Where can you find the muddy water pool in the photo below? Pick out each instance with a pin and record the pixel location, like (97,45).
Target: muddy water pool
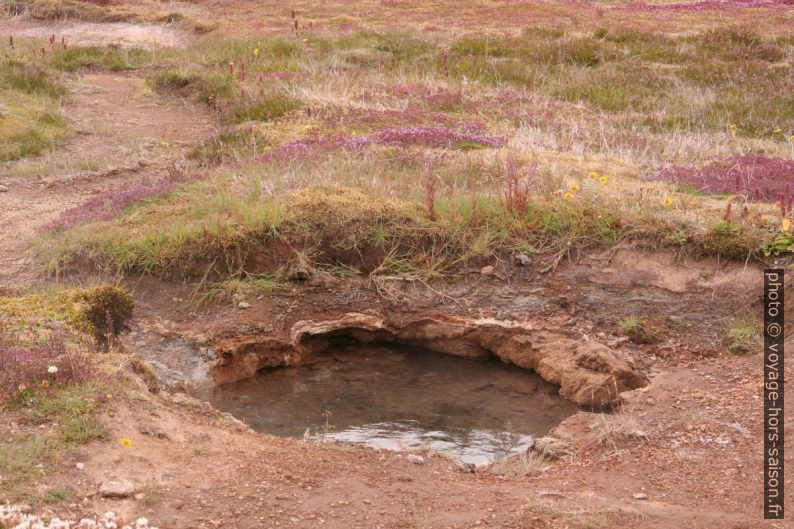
(400,398)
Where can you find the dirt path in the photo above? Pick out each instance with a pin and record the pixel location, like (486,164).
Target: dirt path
(124,135)
(79,33)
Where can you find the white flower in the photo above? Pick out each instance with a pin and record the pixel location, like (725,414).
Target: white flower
(52,370)
(141,523)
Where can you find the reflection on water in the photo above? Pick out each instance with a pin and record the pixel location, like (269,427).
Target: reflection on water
(399,398)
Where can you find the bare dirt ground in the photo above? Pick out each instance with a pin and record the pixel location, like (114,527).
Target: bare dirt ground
(124,135)
(682,452)
(81,33)
(196,472)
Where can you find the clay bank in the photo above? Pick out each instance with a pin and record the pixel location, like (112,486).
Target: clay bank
(588,373)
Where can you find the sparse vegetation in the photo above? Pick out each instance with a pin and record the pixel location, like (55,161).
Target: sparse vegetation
(524,464)
(53,388)
(744,336)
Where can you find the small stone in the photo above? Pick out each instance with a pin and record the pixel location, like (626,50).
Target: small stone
(3,189)
(468,468)
(139,496)
(322,278)
(116,488)
(639,434)
(80,466)
(299,274)
(488,271)
(178,504)
(415,459)
(639,496)
(243,305)
(523,259)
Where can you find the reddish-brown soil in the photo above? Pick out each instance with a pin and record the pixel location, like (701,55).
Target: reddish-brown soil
(690,441)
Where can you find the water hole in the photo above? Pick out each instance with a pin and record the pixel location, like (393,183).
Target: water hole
(400,398)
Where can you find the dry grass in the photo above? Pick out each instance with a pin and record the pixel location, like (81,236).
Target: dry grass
(519,465)
(612,431)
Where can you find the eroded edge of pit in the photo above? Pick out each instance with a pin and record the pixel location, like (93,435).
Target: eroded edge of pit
(590,374)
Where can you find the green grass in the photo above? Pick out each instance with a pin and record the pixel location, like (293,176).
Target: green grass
(115,59)
(204,226)
(230,144)
(637,88)
(52,424)
(743,336)
(263,107)
(29,108)
(629,323)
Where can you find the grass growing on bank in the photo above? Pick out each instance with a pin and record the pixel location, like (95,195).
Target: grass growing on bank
(254,223)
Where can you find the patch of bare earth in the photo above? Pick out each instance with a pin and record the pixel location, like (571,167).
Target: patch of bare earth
(680,453)
(124,135)
(80,33)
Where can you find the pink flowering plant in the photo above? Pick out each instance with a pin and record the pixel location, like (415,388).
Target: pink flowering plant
(40,363)
(758,177)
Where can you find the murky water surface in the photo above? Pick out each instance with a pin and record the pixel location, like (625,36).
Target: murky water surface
(401,398)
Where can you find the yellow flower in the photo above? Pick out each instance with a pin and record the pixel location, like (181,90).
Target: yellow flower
(109,396)
(785,225)
(604,179)
(733,130)
(778,131)
(256,52)
(126,443)
(668,202)
(574,187)
(568,196)
(592,175)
